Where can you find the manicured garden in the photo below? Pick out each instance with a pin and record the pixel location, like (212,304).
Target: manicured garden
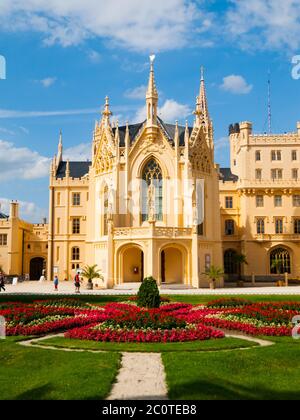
(200,362)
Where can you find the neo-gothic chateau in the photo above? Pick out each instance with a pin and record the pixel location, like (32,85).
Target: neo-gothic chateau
(153,202)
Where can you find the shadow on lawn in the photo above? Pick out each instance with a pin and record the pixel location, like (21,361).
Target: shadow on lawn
(205,390)
(38,393)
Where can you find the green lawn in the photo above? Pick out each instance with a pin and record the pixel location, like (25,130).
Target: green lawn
(36,374)
(193,299)
(270,373)
(208,345)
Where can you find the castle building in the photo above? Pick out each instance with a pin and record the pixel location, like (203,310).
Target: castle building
(153,202)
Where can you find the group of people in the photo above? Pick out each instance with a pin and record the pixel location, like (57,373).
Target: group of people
(2,283)
(77,283)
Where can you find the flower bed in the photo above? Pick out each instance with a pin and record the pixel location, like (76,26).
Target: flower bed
(125,322)
(266,318)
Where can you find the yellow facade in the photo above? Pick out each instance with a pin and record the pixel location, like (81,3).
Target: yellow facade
(152,202)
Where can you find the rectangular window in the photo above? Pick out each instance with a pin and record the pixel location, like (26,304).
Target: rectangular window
(57,253)
(278,201)
(279,226)
(3,239)
(297,226)
(258,174)
(229,227)
(294,155)
(276,174)
(76,199)
(75,254)
(295,174)
(207,262)
(296,200)
(58,225)
(76,226)
(276,155)
(258,156)
(229,202)
(58,198)
(259,201)
(260,226)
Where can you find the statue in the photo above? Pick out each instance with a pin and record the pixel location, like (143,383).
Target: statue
(151,203)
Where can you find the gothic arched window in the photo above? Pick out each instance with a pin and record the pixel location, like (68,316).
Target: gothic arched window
(280,261)
(152,176)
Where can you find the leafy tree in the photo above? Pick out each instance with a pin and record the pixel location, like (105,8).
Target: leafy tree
(214,274)
(240,260)
(91,273)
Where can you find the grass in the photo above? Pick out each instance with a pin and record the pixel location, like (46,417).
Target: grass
(270,373)
(199,346)
(36,374)
(202,299)
(193,299)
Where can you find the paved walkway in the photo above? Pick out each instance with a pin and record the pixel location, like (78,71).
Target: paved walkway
(67,288)
(141,377)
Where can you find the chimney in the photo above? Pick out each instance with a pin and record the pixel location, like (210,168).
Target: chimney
(44,220)
(14,210)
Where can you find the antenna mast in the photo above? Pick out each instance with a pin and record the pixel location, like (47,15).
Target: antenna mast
(269,103)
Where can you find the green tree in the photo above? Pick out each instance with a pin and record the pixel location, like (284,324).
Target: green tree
(148,294)
(214,274)
(240,260)
(90,273)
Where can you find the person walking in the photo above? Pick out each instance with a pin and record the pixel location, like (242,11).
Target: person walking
(2,284)
(56,283)
(77,283)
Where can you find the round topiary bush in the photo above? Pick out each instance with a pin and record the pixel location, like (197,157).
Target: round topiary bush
(148,295)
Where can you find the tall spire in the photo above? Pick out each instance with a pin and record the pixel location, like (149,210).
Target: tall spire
(106,113)
(202,114)
(152,96)
(59,157)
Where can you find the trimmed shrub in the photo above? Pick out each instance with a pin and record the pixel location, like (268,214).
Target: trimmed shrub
(148,295)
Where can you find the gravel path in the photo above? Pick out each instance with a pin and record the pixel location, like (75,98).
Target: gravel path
(141,377)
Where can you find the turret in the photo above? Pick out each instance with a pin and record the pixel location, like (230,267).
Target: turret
(152,97)
(106,113)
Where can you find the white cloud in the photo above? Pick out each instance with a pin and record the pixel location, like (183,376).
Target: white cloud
(139,25)
(265,24)
(9,113)
(81,152)
(236,84)
(21,163)
(169,112)
(28,211)
(136,93)
(49,81)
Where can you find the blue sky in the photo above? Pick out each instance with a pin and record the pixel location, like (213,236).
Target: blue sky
(63,58)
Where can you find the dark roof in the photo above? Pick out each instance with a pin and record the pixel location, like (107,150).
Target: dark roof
(3,216)
(169,130)
(226,175)
(77,169)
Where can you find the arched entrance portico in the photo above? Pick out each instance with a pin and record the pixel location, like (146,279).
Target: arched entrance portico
(172,263)
(37,265)
(132,264)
